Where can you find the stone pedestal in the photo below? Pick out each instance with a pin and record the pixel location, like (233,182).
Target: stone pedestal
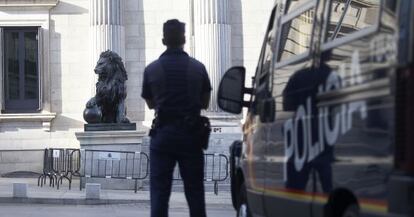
(120,140)
(92,163)
(110,127)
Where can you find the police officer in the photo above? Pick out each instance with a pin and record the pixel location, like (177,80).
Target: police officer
(176,86)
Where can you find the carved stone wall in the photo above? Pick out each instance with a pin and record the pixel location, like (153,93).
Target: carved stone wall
(212,42)
(107,27)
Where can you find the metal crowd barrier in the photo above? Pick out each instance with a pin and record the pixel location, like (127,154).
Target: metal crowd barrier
(59,164)
(114,165)
(216,169)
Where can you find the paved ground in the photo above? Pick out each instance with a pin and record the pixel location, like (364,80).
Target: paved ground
(126,210)
(48,201)
(111,196)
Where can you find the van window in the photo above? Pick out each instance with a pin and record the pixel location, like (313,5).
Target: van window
(263,69)
(391,5)
(269,48)
(291,5)
(266,57)
(350,16)
(296,36)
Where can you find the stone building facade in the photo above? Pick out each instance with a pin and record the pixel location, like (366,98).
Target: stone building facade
(61,41)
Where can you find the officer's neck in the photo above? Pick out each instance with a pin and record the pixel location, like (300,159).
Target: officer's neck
(181,47)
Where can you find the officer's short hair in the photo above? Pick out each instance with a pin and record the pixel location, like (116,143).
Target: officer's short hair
(174,33)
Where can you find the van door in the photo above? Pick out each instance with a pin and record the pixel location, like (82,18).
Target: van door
(354,156)
(288,176)
(256,128)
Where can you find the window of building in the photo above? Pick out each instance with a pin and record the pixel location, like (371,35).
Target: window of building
(350,16)
(296,35)
(21,69)
(25,78)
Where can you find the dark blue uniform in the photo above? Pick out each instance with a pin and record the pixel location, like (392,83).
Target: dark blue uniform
(176,83)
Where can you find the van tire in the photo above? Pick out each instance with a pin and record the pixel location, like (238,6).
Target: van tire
(351,210)
(342,203)
(233,177)
(242,206)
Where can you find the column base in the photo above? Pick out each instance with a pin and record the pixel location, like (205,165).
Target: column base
(222,117)
(225,129)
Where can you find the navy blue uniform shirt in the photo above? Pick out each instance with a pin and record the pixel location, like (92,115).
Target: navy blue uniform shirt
(175,83)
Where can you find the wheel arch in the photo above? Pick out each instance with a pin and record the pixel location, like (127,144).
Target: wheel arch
(338,201)
(236,173)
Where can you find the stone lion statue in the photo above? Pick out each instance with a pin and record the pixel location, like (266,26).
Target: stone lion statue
(108,105)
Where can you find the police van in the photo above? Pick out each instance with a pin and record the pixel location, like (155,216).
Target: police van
(330,125)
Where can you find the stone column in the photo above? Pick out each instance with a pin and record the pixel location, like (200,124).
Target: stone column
(107,27)
(212,43)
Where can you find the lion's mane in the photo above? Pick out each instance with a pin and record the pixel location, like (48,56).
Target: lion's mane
(111,89)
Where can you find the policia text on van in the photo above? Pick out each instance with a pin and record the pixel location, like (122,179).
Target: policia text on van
(330,124)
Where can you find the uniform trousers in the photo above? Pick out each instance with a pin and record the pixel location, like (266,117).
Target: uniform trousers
(162,164)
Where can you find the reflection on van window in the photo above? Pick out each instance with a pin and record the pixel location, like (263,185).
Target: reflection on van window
(296,35)
(391,5)
(350,16)
(293,4)
(268,53)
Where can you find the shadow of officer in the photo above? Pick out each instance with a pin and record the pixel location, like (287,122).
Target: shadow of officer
(301,91)
(177,87)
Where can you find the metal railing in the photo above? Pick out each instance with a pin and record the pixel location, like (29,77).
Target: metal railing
(59,164)
(114,165)
(216,169)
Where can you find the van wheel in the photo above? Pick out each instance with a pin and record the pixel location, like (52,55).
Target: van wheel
(242,207)
(351,210)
